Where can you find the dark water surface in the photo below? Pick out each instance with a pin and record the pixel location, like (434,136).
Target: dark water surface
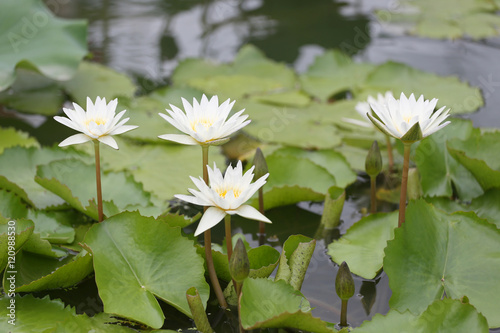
(146,39)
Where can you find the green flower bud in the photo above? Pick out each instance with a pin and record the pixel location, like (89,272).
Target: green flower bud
(373,163)
(260,164)
(344,283)
(239,265)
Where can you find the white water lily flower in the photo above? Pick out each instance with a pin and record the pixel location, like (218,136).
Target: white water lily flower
(226,195)
(364,107)
(204,123)
(99,122)
(408,119)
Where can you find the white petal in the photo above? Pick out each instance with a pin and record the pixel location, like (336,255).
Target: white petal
(179,138)
(191,199)
(67,122)
(75,139)
(108,140)
(211,217)
(251,213)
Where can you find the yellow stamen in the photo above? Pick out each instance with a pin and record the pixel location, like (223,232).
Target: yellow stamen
(222,192)
(204,121)
(97,121)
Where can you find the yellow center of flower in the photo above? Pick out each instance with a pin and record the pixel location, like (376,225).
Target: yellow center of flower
(222,192)
(97,121)
(204,121)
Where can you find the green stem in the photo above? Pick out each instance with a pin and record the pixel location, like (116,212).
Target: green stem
(343,314)
(238,294)
(208,242)
(404,184)
(197,310)
(98,180)
(389,152)
(229,240)
(373,194)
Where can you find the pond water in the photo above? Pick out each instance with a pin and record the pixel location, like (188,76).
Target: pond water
(146,39)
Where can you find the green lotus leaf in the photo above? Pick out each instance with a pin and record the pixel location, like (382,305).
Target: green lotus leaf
(52,316)
(35,272)
(334,72)
(92,80)
(295,257)
(444,316)
(55,226)
(22,229)
(137,258)
(396,77)
(122,190)
(475,154)
(250,74)
(439,171)
(448,19)
(287,98)
(18,168)
(33,93)
(266,303)
(459,257)
(11,205)
(362,246)
(33,37)
(9,137)
(36,244)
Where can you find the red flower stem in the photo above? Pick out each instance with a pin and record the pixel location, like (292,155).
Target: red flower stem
(98,180)
(373,194)
(208,242)
(229,240)
(404,184)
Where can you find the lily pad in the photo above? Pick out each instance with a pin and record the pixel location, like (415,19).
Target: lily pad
(137,258)
(35,273)
(439,171)
(9,137)
(362,246)
(334,72)
(18,168)
(475,154)
(92,80)
(33,37)
(446,263)
(266,303)
(22,229)
(52,316)
(295,257)
(11,205)
(122,190)
(444,316)
(55,226)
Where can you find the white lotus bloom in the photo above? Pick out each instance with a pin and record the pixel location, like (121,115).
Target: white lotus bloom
(99,122)
(226,195)
(408,119)
(364,107)
(204,123)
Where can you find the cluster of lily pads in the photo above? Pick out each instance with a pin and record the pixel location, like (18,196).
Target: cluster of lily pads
(442,263)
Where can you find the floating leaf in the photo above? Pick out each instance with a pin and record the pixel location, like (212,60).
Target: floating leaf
(9,137)
(439,171)
(446,263)
(129,277)
(444,316)
(35,244)
(295,257)
(37,273)
(266,303)
(362,246)
(55,226)
(51,316)
(11,206)
(122,190)
(475,154)
(333,72)
(22,229)
(92,80)
(19,179)
(33,37)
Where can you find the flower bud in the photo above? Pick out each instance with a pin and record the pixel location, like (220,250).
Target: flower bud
(239,265)
(260,164)
(373,163)
(344,283)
